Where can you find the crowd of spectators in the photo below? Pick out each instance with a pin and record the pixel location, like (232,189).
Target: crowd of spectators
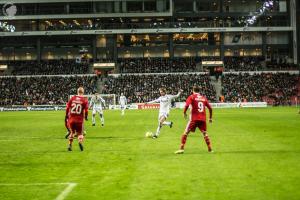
(51,67)
(280,87)
(157,65)
(167,65)
(43,90)
(281,66)
(55,90)
(143,88)
(247,63)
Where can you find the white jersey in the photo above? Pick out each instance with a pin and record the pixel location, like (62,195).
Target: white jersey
(96,103)
(123,100)
(165,103)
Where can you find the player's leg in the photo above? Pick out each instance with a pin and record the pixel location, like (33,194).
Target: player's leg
(207,141)
(83,130)
(70,141)
(71,136)
(122,109)
(183,141)
(202,128)
(80,135)
(189,127)
(67,134)
(93,117)
(161,120)
(80,143)
(101,117)
(166,123)
(68,129)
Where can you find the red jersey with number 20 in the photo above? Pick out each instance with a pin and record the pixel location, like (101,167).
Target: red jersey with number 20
(77,109)
(198,104)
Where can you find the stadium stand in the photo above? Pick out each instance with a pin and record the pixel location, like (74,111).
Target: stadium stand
(142,88)
(153,43)
(157,65)
(248,63)
(51,67)
(277,89)
(43,90)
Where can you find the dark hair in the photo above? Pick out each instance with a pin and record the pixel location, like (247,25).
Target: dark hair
(196,88)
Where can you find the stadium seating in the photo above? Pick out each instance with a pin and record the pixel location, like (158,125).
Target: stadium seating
(157,65)
(142,88)
(51,67)
(234,63)
(43,90)
(278,88)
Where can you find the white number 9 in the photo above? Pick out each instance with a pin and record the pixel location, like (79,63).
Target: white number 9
(200,107)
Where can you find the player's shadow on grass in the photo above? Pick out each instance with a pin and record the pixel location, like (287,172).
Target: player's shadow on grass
(101,137)
(247,152)
(113,138)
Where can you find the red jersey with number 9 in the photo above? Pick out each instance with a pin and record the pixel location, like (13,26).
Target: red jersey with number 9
(77,108)
(198,104)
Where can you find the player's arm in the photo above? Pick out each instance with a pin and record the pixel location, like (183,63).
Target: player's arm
(187,105)
(210,111)
(68,109)
(154,101)
(90,104)
(103,101)
(177,95)
(86,111)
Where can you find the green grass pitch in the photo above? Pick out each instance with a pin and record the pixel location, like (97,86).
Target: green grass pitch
(257,156)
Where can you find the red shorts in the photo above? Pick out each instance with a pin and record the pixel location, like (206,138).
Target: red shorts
(76,127)
(192,125)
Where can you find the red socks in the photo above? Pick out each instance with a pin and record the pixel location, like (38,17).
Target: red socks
(206,138)
(207,141)
(183,141)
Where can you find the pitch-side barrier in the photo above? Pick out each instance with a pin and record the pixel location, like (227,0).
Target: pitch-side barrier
(135,106)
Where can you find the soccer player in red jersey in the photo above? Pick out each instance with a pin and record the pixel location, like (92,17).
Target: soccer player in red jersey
(197,117)
(76,112)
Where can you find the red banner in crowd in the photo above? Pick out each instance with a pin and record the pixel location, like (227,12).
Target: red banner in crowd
(148,106)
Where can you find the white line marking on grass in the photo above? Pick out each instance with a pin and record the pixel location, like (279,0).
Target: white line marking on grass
(66,191)
(61,196)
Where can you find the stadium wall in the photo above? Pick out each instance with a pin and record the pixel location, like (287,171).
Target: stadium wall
(298,30)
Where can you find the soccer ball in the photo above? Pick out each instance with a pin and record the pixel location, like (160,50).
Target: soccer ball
(148,134)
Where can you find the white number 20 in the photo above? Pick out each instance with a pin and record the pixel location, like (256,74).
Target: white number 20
(76,108)
(200,106)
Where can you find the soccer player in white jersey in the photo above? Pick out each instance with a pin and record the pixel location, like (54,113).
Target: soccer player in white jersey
(123,103)
(96,103)
(165,103)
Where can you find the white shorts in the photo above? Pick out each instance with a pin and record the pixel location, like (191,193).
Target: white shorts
(163,114)
(97,110)
(122,107)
